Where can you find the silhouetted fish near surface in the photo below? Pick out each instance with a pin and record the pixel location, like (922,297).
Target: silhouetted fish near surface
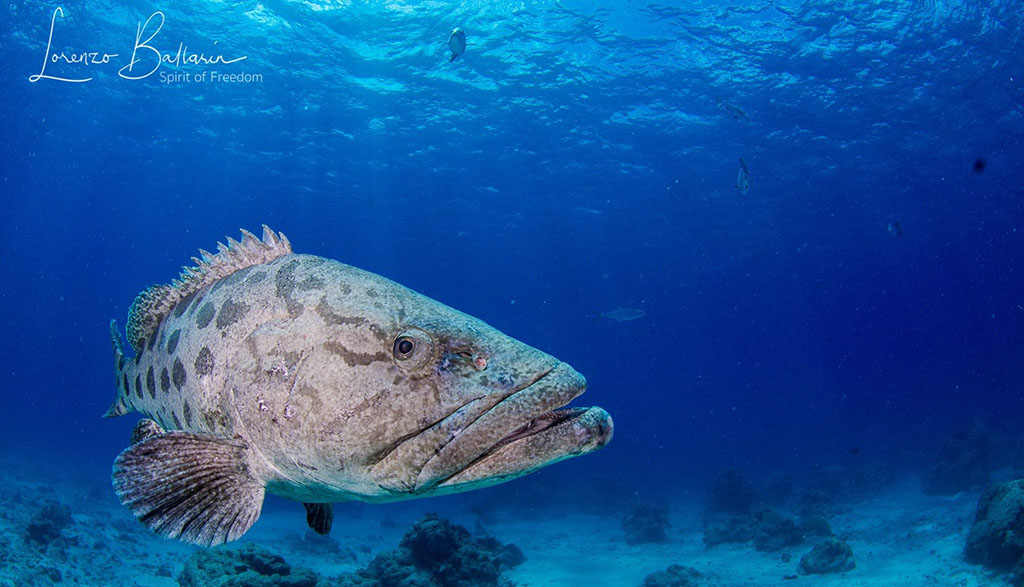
(260,370)
(735,111)
(623,314)
(894,228)
(743,178)
(456,43)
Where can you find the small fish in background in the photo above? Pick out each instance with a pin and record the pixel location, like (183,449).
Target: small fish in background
(735,111)
(623,314)
(894,228)
(456,43)
(743,178)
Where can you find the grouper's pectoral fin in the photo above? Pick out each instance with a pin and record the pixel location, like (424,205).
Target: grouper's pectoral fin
(320,517)
(195,487)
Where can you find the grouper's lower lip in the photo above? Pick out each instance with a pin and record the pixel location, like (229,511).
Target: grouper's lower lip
(539,424)
(557,435)
(526,429)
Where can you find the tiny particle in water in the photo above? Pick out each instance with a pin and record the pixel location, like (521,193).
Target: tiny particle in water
(979,165)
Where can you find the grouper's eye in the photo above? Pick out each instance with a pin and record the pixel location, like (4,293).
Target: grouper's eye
(404,348)
(412,349)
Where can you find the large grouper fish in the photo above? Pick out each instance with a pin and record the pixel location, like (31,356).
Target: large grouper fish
(259,370)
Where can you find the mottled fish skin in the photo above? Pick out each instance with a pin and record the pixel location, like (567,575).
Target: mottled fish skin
(299,360)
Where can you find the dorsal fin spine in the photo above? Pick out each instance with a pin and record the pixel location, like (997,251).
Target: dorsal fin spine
(155,302)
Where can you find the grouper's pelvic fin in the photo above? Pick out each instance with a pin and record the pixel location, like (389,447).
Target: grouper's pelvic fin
(320,517)
(156,302)
(120,406)
(195,487)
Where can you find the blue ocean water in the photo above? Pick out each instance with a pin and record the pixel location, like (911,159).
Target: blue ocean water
(861,303)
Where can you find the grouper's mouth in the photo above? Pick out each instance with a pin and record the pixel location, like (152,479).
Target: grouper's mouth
(529,429)
(491,439)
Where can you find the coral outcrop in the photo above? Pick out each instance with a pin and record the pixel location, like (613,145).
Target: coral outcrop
(674,576)
(437,553)
(247,566)
(996,539)
(646,523)
(830,556)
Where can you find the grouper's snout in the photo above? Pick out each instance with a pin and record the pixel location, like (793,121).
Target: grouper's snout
(526,430)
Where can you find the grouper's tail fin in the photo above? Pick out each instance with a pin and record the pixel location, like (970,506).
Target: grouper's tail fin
(120,405)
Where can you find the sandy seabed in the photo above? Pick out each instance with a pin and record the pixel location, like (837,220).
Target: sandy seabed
(899,537)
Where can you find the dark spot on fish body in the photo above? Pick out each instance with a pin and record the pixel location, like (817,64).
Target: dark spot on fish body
(305,466)
(204,362)
(172,342)
(138,386)
(177,422)
(178,374)
(284,283)
(138,358)
(196,304)
(152,341)
(183,305)
(230,313)
(372,293)
(379,333)
(312,283)
(205,315)
(232,279)
(187,412)
(120,362)
(257,277)
(344,289)
(124,381)
(151,383)
(165,380)
(285,278)
(353,359)
(324,310)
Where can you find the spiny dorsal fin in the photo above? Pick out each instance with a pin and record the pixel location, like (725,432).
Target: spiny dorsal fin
(155,302)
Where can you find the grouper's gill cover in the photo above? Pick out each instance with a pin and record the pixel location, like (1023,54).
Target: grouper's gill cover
(262,370)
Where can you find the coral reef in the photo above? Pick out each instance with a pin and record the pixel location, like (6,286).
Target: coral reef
(815,526)
(962,465)
(674,576)
(722,528)
(727,516)
(996,539)
(47,524)
(247,566)
(312,544)
(773,531)
(830,556)
(437,553)
(731,494)
(646,523)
